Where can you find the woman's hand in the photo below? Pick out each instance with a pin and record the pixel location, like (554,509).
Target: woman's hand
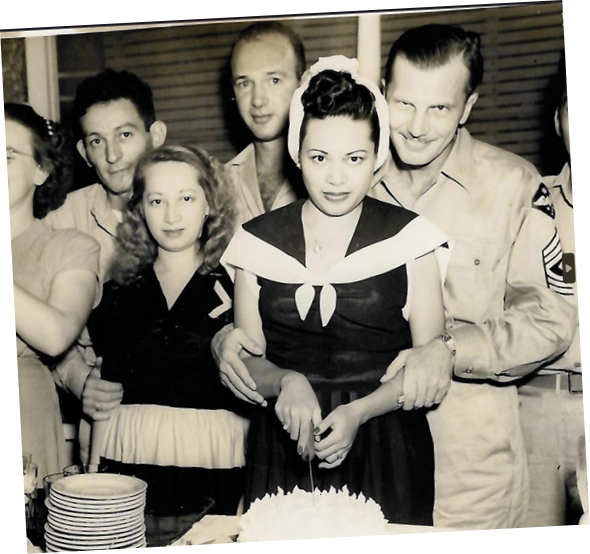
(100,397)
(344,422)
(299,411)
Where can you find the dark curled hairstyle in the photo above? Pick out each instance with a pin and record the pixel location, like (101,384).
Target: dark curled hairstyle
(434,45)
(53,150)
(137,249)
(264,28)
(333,93)
(111,85)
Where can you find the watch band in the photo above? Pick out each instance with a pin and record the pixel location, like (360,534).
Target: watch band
(449,342)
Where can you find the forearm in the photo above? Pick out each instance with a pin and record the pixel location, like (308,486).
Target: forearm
(515,344)
(72,371)
(383,400)
(267,376)
(42,326)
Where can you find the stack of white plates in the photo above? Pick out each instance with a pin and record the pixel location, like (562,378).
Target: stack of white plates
(96,511)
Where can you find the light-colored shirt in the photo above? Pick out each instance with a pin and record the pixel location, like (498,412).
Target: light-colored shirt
(506,304)
(241,171)
(87,210)
(560,187)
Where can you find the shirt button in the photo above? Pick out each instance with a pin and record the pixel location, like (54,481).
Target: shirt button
(577,365)
(469,370)
(476,261)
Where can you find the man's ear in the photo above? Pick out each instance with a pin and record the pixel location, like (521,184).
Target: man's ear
(468,106)
(82,151)
(158,133)
(557,122)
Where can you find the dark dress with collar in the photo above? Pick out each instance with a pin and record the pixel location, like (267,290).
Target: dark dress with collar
(162,357)
(391,459)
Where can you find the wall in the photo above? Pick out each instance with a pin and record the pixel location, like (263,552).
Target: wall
(185,67)
(14,70)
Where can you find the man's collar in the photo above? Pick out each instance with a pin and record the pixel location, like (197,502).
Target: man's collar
(563,182)
(245,156)
(102,211)
(457,167)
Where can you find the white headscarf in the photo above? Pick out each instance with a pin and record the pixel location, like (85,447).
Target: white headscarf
(343,65)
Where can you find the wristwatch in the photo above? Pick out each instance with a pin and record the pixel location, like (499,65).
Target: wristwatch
(449,342)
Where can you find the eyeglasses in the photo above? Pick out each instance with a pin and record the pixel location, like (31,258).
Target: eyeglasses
(11,154)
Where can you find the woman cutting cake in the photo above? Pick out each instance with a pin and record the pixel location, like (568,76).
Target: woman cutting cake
(334,287)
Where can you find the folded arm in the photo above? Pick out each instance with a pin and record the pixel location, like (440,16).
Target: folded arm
(52,326)
(539,319)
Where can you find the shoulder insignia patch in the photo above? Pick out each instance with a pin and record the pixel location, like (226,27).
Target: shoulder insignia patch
(553,264)
(542,201)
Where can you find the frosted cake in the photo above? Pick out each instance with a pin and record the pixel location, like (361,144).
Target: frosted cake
(311,515)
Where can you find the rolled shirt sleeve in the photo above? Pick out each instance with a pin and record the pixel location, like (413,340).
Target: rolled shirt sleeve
(539,318)
(506,305)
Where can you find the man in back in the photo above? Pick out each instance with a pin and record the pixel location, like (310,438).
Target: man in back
(551,402)
(267,61)
(117,125)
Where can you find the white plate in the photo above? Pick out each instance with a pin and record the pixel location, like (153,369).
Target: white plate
(102,541)
(96,509)
(93,528)
(96,521)
(97,486)
(59,550)
(54,547)
(95,502)
(102,518)
(74,538)
(71,545)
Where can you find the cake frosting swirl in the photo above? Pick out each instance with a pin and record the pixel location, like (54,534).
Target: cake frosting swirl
(311,515)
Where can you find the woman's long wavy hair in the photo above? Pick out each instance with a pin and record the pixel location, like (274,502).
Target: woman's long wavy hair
(137,249)
(53,151)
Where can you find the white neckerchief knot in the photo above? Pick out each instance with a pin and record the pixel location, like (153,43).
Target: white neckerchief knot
(304,296)
(258,258)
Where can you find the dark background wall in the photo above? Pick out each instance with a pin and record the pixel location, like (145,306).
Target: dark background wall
(185,65)
(14,70)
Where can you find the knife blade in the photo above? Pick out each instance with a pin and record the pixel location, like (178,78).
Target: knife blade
(312,483)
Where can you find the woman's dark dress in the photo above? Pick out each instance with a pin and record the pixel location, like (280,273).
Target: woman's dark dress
(162,357)
(391,459)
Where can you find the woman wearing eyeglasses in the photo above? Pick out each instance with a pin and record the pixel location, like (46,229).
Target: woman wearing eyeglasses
(54,274)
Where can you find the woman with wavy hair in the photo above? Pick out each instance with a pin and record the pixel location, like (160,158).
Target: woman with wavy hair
(54,275)
(176,428)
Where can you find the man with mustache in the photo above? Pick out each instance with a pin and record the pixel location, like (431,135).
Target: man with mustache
(507,308)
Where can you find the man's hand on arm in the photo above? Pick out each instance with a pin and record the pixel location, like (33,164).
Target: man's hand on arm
(226,346)
(428,370)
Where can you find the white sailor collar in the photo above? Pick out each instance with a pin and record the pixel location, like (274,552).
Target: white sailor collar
(258,256)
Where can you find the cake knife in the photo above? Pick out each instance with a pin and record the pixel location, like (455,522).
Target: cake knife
(311,475)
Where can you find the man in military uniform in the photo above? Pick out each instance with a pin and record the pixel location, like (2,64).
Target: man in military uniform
(507,307)
(552,408)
